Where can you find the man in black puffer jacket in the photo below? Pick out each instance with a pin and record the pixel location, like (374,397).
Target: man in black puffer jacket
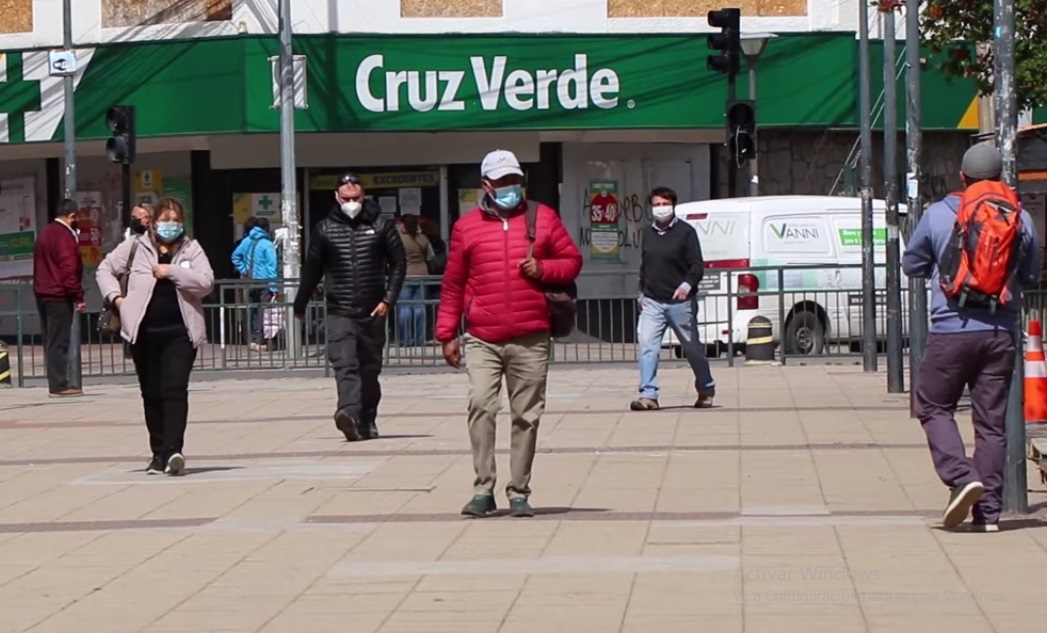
(361,255)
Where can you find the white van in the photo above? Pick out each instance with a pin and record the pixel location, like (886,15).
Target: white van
(820,306)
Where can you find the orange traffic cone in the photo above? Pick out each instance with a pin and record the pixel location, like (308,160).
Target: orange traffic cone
(1035,376)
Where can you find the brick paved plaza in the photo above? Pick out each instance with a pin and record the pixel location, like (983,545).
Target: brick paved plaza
(804,502)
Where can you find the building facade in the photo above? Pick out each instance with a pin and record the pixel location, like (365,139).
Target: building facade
(599,98)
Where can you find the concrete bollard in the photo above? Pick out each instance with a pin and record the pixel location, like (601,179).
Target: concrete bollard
(759,344)
(5,367)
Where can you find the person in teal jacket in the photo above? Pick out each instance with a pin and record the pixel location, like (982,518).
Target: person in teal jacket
(255,258)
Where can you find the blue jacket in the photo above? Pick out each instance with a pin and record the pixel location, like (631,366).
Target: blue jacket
(255,257)
(926,248)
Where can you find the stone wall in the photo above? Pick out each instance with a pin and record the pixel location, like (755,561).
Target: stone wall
(814,163)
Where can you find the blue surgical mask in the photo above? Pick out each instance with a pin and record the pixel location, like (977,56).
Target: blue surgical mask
(169,231)
(508,197)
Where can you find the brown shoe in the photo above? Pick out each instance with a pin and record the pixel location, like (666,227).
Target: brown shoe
(644,404)
(67,393)
(705,400)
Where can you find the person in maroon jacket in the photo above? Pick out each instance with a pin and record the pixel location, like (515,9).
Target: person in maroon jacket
(491,281)
(58,273)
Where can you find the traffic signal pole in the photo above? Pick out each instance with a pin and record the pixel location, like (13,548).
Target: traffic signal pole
(288,174)
(122,150)
(1015,482)
(73,370)
(913,140)
(869,338)
(732,160)
(895,357)
(69,86)
(754,164)
(727,43)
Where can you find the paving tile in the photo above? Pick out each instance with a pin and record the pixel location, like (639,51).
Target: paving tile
(815,620)
(918,620)
(635,623)
(689,515)
(443,622)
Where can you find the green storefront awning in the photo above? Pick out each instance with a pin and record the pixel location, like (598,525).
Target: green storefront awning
(453,82)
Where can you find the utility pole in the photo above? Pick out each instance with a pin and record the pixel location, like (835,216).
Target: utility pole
(288,173)
(1015,484)
(70,112)
(74,370)
(895,369)
(917,287)
(754,164)
(732,159)
(865,115)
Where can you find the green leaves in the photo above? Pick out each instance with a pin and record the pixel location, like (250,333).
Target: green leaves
(953,30)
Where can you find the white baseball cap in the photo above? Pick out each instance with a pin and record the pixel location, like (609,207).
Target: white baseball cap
(499,164)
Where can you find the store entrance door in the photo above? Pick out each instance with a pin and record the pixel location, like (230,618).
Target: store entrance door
(398,193)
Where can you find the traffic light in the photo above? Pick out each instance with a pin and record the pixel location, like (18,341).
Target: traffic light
(121,122)
(741,124)
(727,41)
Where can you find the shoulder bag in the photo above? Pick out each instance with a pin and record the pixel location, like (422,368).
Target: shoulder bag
(562,300)
(109,320)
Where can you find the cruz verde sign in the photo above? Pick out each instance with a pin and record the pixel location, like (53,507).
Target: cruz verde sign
(380,89)
(490,82)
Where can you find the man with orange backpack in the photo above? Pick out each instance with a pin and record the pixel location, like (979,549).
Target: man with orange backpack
(979,249)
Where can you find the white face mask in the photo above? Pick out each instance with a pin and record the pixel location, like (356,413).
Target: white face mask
(352,208)
(662,213)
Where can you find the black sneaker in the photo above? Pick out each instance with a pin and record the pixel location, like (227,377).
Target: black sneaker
(961,500)
(156,466)
(519,507)
(368,427)
(347,425)
(480,506)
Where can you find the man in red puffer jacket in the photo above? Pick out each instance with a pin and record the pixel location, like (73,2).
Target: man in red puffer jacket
(491,281)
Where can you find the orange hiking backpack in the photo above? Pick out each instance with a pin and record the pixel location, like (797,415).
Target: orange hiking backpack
(982,257)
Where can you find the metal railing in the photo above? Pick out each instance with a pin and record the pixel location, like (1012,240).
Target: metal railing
(815,311)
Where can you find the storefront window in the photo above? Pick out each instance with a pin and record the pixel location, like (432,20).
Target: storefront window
(397,191)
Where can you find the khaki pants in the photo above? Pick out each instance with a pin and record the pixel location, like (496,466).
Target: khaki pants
(524,362)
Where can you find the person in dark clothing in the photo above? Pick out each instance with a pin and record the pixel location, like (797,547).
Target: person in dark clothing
(58,272)
(671,266)
(969,346)
(361,256)
(162,316)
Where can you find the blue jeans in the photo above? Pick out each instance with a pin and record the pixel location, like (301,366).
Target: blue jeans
(682,318)
(410,317)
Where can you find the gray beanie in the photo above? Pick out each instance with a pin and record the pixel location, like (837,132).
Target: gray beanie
(982,162)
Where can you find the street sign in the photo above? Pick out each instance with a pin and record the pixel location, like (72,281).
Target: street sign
(61,63)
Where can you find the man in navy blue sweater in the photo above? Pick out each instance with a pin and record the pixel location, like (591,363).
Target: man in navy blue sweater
(967,346)
(671,266)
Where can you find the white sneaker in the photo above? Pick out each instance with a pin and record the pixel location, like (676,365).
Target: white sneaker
(985,527)
(175,464)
